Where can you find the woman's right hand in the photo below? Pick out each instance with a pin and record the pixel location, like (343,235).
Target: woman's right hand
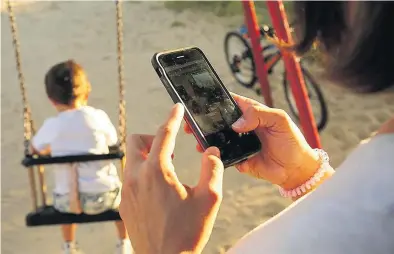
(286,159)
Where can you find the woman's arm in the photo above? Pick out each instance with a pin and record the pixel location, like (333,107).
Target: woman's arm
(313,165)
(386,128)
(302,175)
(326,176)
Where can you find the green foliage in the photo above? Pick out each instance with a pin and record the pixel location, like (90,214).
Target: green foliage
(219,8)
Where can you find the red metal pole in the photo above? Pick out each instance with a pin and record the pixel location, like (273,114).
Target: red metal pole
(254,34)
(294,74)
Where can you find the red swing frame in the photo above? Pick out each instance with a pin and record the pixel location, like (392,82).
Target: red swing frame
(294,74)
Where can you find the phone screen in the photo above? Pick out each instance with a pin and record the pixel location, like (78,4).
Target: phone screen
(210,105)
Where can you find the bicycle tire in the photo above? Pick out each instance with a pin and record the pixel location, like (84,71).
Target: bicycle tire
(253,79)
(311,83)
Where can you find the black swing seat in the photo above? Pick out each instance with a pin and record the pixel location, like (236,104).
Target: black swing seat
(33,160)
(47,215)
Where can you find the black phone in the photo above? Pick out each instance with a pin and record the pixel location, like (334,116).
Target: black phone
(210,110)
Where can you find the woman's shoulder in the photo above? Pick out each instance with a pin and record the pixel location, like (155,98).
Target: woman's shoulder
(352,212)
(375,150)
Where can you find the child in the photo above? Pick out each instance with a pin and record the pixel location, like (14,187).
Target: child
(79,129)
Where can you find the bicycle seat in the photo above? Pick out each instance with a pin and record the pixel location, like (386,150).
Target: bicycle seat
(267,30)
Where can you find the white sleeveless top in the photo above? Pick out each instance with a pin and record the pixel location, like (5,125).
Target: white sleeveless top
(350,213)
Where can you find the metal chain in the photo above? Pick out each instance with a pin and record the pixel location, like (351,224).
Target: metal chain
(28,125)
(122,102)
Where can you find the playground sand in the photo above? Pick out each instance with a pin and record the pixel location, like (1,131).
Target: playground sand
(55,31)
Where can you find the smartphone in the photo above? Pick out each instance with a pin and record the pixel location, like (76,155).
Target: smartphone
(210,110)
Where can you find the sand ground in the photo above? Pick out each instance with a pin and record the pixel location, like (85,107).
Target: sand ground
(55,31)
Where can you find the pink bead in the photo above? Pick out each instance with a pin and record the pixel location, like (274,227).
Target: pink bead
(294,193)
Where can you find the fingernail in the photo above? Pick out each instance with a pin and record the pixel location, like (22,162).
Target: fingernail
(214,151)
(178,107)
(239,123)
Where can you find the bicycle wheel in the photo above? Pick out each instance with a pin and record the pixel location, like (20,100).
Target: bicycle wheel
(240,61)
(318,103)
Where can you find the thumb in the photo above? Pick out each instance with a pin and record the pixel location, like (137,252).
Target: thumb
(211,176)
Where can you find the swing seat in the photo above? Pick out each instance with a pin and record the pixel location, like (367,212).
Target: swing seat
(47,215)
(33,160)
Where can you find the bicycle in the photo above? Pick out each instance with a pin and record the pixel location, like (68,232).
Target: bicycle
(238,65)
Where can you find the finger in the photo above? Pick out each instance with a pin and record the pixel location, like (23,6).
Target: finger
(259,116)
(187,188)
(199,148)
(249,167)
(211,176)
(138,147)
(187,129)
(164,142)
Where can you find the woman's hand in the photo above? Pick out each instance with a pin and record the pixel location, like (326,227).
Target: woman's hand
(160,213)
(286,159)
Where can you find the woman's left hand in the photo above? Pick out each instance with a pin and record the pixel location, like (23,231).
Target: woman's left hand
(160,213)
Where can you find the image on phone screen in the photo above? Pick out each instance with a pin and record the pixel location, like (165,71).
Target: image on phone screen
(210,106)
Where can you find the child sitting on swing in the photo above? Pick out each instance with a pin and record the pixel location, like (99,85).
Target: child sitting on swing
(78,129)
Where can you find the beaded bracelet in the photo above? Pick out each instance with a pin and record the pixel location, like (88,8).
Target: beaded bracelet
(324,167)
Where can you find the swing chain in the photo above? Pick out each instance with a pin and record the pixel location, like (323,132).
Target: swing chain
(28,124)
(122,102)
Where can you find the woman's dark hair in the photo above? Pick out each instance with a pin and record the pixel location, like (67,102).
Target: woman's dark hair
(356,38)
(65,82)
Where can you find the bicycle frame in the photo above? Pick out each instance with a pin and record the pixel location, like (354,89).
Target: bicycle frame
(271,54)
(271,60)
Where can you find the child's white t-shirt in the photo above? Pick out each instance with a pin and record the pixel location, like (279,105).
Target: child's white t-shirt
(80,131)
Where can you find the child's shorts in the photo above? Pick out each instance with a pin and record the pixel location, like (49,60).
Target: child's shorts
(91,203)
